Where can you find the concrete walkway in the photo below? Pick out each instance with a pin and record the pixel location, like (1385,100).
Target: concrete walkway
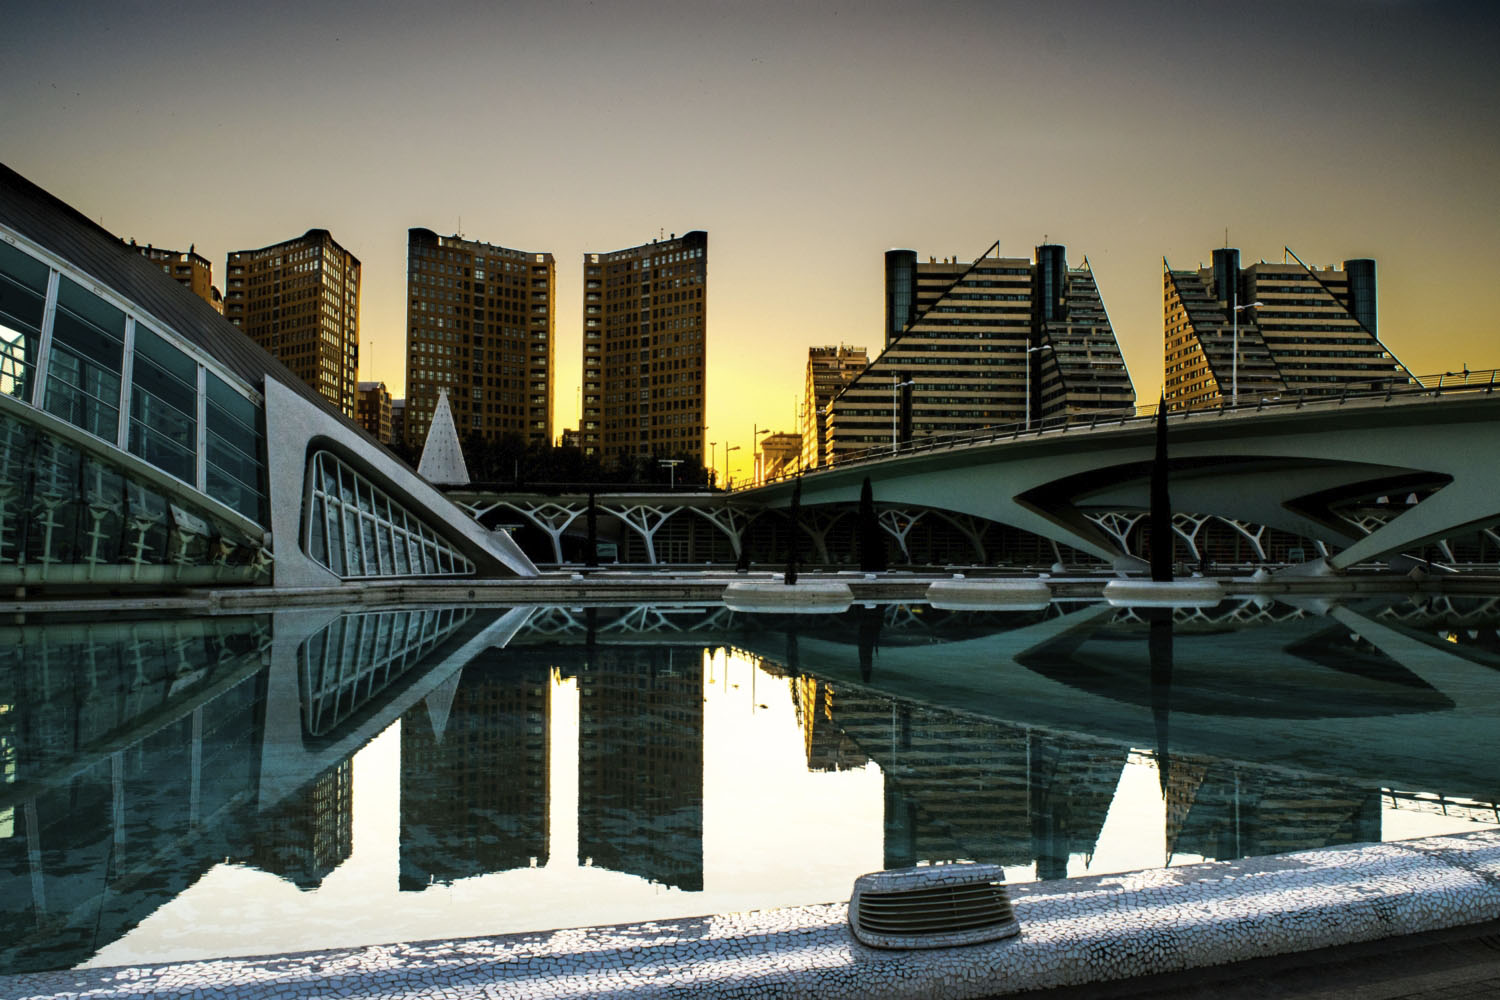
(1082,932)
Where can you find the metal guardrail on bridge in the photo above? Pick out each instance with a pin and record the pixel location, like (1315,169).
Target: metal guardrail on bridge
(1418,387)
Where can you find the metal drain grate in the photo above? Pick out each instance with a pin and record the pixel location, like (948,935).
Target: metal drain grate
(932,907)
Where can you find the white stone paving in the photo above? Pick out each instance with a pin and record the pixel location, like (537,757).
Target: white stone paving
(1079,931)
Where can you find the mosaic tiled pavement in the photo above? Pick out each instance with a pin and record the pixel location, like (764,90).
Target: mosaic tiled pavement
(1074,932)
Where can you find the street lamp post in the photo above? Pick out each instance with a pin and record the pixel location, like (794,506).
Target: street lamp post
(671,464)
(896,386)
(1234,390)
(727,449)
(1029,352)
(713,457)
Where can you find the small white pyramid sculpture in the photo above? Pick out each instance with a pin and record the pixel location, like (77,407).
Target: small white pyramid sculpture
(442,461)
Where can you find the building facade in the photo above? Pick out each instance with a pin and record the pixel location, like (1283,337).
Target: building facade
(299,300)
(189,269)
(373,408)
(779,455)
(1001,340)
(481,323)
(398,421)
(645,350)
(1268,329)
(829,369)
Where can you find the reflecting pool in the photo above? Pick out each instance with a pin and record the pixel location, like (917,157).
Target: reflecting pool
(314,778)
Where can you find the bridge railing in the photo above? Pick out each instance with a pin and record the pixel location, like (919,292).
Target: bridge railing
(1375,391)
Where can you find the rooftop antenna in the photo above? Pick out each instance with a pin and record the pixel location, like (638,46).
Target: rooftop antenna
(1226,237)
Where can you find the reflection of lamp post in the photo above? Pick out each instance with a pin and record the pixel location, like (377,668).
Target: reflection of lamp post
(1029,352)
(896,386)
(1234,390)
(727,449)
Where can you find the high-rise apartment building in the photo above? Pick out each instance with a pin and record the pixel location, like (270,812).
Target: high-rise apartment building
(373,410)
(829,369)
(645,350)
(1001,340)
(481,323)
(300,301)
(1270,329)
(191,271)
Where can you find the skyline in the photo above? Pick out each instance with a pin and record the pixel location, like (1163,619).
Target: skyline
(806,142)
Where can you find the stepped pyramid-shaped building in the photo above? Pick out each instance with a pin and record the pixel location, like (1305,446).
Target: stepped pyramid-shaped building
(960,338)
(1270,330)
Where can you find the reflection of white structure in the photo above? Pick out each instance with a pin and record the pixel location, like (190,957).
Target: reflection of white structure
(146,441)
(328,669)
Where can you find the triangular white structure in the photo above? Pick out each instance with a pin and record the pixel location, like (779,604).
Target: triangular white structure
(440,704)
(442,461)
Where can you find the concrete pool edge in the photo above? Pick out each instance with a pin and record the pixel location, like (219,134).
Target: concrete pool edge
(1084,930)
(694,587)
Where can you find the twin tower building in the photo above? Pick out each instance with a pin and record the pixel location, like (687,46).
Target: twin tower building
(967,344)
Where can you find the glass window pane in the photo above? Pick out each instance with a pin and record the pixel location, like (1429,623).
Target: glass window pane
(383,538)
(317,544)
(90,326)
(164,406)
(166,357)
(23,294)
(236,472)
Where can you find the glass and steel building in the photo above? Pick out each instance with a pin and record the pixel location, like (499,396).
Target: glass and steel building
(146,442)
(1270,329)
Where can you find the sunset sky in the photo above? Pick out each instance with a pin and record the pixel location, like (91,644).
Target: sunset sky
(805,138)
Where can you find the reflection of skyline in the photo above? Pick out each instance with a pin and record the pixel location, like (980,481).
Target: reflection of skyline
(958,787)
(640,763)
(140,763)
(309,833)
(474,777)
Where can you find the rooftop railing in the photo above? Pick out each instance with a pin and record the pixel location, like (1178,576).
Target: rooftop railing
(1372,392)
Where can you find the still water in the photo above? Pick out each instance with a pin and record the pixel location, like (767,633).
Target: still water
(237,785)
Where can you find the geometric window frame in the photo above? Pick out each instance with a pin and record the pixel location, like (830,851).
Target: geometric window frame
(356,657)
(356,530)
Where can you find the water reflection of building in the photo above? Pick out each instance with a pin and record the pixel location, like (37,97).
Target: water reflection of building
(309,833)
(955,787)
(828,748)
(474,775)
(960,787)
(640,763)
(126,771)
(1218,810)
